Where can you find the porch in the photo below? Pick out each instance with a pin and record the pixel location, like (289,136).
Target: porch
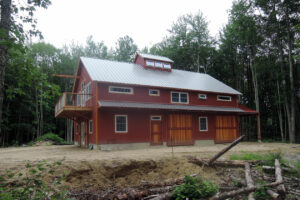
(71,105)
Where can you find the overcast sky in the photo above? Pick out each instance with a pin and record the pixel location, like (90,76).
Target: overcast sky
(145,21)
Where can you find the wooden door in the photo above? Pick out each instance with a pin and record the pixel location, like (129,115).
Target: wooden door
(82,134)
(156,130)
(226,128)
(180,130)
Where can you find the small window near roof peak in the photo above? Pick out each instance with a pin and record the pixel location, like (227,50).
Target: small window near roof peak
(202,96)
(150,63)
(224,98)
(153,92)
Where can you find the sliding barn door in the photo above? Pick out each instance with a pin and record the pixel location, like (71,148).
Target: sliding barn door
(226,128)
(180,129)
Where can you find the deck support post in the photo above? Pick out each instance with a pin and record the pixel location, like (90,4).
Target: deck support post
(258,128)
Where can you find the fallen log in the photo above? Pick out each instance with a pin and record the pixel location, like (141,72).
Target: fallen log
(278,175)
(269,168)
(210,162)
(165,196)
(227,163)
(249,180)
(246,190)
(273,194)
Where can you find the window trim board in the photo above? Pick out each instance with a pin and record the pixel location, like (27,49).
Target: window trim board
(116,123)
(200,123)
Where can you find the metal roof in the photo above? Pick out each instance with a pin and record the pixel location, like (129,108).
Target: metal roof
(155,57)
(134,74)
(167,106)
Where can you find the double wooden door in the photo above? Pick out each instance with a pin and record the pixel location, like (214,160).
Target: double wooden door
(180,129)
(226,128)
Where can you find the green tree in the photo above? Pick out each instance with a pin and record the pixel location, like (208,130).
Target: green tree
(12,34)
(125,49)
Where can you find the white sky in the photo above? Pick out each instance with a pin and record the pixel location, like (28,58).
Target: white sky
(145,21)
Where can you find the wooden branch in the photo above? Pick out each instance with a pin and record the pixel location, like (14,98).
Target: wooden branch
(269,168)
(210,162)
(246,190)
(273,194)
(249,180)
(227,163)
(165,196)
(280,188)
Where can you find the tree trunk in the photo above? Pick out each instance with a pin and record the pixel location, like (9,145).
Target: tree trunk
(280,113)
(5,23)
(292,131)
(42,113)
(256,96)
(249,180)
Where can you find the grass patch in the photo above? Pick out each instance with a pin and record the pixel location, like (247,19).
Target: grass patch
(268,158)
(55,139)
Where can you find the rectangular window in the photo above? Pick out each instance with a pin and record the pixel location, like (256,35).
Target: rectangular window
(202,96)
(121,125)
(156,118)
(158,64)
(179,97)
(153,92)
(203,126)
(90,126)
(224,98)
(150,63)
(167,66)
(88,91)
(82,85)
(121,90)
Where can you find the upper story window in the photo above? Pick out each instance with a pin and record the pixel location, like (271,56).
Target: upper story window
(224,98)
(153,92)
(121,90)
(167,66)
(150,63)
(158,64)
(82,85)
(179,97)
(202,96)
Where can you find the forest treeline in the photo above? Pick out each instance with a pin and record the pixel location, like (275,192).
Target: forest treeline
(257,53)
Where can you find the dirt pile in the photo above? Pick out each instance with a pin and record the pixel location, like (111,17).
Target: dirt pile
(103,174)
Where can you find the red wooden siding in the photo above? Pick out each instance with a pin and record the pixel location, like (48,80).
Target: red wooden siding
(141,94)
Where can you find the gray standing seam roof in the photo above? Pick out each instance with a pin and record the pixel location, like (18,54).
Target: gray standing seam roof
(135,74)
(167,106)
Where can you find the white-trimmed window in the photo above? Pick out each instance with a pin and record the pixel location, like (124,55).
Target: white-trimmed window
(203,125)
(121,124)
(121,90)
(153,92)
(179,97)
(202,96)
(150,63)
(158,64)
(88,91)
(167,66)
(224,98)
(90,126)
(156,118)
(82,85)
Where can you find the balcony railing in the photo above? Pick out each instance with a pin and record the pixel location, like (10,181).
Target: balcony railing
(73,101)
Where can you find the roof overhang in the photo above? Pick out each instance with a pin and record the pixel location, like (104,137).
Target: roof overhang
(136,105)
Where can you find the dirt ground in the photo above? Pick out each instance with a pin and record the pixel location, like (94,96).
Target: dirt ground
(102,169)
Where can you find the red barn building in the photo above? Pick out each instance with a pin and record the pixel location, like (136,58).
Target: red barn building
(118,105)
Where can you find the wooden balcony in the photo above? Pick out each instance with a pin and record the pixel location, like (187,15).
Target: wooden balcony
(72,105)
